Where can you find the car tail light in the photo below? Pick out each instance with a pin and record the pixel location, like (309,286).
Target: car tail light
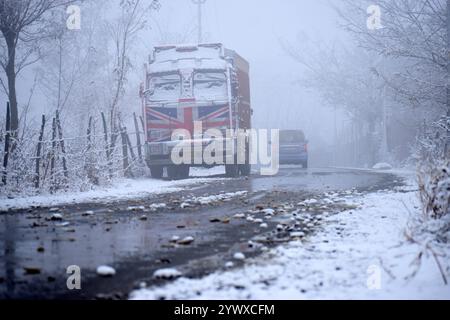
(306,147)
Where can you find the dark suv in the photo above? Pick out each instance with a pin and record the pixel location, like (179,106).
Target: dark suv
(293,147)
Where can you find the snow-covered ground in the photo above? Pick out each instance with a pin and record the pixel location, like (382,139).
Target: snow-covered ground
(119,190)
(359,254)
(203,172)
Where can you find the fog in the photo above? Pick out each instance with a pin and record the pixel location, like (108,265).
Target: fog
(314,65)
(255,30)
(134,149)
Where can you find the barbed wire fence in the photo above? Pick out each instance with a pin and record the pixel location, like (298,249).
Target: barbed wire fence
(44,160)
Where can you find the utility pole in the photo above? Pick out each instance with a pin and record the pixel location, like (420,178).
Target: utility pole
(199,3)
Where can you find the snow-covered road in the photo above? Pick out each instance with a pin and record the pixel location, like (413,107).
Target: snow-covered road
(235,234)
(358,254)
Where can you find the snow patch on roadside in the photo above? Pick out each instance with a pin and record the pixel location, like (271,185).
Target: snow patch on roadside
(205,172)
(359,254)
(121,190)
(212,198)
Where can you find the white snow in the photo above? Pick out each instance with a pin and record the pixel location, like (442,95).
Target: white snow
(56,216)
(156,206)
(382,166)
(308,201)
(121,190)
(212,198)
(297,234)
(239,256)
(358,254)
(186,240)
(268,211)
(105,271)
(136,208)
(167,273)
(205,172)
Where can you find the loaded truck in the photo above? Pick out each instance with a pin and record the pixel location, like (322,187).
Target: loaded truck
(196,90)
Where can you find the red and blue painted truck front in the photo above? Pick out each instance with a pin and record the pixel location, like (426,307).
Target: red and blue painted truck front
(193,88)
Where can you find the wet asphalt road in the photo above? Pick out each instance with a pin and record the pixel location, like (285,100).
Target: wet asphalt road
(35,251)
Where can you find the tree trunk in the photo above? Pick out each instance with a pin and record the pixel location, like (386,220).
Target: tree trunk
(53,158)
(10,70)
(7,144)
(133,155)
(107,146)
(114,135)
(62,146)
(88,134)
(38,154)
(92,176)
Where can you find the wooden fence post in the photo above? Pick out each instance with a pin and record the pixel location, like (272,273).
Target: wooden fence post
(62,146)
(7,144)
(138,138)
(125,160)
(38,155)
(53,157)
(107,145)
(127,136)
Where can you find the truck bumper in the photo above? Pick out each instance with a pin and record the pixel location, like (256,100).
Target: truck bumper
(161,153)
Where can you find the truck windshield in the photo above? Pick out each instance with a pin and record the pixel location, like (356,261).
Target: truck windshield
(165,87)
(210,85)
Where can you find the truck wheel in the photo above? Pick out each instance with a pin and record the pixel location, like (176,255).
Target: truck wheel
(183,172)
(231,170)
(245,169)
(172,172)
(177,172)
(156,172)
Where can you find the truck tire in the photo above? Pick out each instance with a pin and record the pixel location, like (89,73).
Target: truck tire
(177,172)
(183,171)
(245,169)
(172,172)
(231,170)
(305,164)
(156,171)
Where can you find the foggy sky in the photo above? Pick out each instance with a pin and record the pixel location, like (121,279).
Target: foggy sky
(253,28)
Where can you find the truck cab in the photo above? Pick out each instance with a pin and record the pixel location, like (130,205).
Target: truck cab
(192,89)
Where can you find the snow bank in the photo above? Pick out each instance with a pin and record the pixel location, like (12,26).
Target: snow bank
(121,190)
(168,273)
(382,166)
(360,254)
